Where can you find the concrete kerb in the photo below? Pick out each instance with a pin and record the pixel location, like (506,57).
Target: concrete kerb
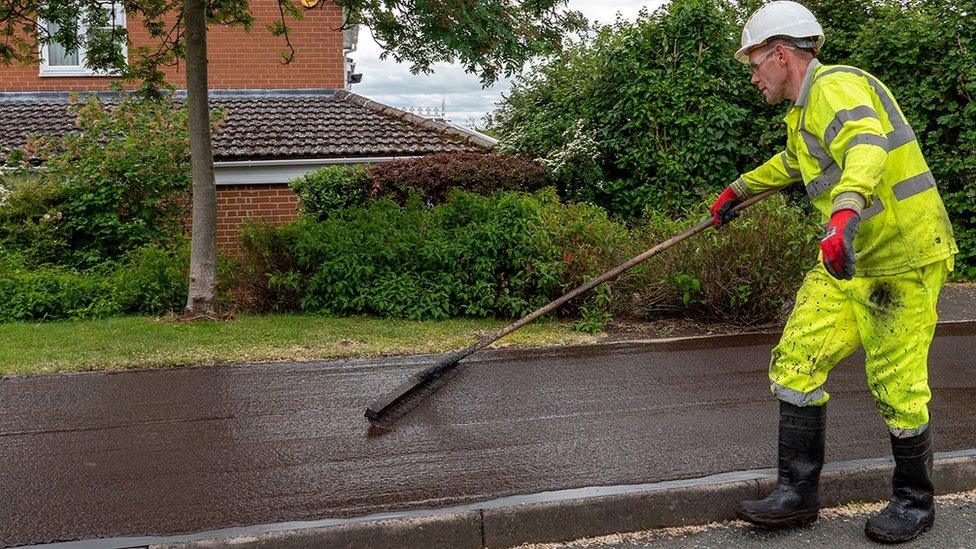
(571,514)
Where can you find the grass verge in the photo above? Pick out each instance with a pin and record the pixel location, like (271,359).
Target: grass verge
(137,342)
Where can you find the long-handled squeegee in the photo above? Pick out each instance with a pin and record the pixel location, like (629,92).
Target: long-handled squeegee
(395,404)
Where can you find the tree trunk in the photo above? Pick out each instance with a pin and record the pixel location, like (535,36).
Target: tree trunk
(200,302)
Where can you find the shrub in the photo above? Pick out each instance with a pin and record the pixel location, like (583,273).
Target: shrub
(149,280)
(51,293)
(657,113)
(330,188)
(510,253)
(653,112)
(29,214)
(746,273)
(118,183)
(435,176)
(270,275)
(472,256)
(591,243)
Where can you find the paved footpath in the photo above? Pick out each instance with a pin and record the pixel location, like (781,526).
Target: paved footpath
(163,452)
(955,526)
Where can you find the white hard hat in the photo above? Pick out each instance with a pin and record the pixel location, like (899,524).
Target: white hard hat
(780,18)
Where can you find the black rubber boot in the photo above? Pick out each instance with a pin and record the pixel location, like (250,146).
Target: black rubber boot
(911,509)
(796,498)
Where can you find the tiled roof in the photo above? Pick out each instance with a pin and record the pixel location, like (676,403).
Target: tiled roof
(265,127)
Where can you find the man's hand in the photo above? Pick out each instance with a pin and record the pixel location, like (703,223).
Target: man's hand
(838,244)
(721,213)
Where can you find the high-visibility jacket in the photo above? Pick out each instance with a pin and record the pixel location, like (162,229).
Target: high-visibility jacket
(850,144)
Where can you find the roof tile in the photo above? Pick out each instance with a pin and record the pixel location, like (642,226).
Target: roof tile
(277,127)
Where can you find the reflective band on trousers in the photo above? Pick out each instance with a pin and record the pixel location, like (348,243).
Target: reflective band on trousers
(796,398)
(914,185)
(908,433)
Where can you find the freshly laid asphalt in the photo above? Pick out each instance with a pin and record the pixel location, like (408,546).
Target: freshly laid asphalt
(169,451)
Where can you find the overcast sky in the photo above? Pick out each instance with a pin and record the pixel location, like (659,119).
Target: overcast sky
(464,99)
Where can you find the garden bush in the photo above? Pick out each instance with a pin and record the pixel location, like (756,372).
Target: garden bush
(270,275)
(431,178)
(120,182)
(30,210)
(146,281)
(330,188)
(152,280)
(473,256)
(51,293)
(509,253)
(746,273)
(656,112)
(649,113)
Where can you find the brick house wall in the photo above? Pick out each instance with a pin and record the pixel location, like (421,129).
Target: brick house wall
(238,60)
(272,202)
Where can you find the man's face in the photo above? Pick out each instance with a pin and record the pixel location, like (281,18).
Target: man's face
(768,67)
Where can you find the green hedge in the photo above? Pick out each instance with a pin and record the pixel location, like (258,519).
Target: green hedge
(656,113)
(473,256)
(330,188)
(120,182)
(146,281)
(470,257)
(507,254)
(646,114)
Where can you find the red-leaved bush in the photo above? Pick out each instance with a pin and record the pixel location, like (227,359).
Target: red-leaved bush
(434,175)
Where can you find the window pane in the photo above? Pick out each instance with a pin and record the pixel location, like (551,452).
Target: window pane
(114,15)
(56,54)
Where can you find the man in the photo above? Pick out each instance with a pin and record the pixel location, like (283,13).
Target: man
(887,250)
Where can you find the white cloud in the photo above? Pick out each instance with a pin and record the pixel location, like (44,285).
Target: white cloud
(461,94)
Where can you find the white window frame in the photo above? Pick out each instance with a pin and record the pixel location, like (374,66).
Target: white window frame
(80,69)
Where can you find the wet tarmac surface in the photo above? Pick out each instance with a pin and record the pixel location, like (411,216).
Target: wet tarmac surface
(171,451)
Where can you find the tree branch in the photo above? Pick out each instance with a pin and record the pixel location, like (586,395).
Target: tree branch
(285,31)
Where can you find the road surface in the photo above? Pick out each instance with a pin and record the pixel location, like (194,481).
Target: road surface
(172,451)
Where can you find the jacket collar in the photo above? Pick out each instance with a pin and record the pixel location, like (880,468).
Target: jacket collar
(804,94)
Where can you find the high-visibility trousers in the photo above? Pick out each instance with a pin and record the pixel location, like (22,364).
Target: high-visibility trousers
(893,317)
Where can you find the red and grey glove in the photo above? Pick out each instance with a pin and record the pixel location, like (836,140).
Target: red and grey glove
(838,244)
(721,209)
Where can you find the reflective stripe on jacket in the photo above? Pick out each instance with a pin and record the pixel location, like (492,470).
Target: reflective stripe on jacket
(850,144)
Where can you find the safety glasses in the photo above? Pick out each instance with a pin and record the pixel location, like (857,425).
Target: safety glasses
(754,65)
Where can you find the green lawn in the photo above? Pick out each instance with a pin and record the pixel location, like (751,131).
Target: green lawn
(131,342)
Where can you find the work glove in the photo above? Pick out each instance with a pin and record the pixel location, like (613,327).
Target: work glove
(838,244)
(721,209)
